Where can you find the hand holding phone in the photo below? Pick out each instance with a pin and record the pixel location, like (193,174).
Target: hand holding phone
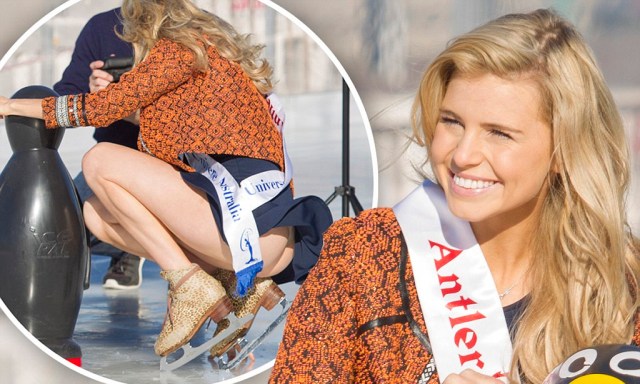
(116,66)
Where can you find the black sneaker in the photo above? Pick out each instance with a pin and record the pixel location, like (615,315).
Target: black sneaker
(124,273)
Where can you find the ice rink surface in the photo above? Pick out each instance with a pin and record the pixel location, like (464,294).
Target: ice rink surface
(117,329)
(132,319)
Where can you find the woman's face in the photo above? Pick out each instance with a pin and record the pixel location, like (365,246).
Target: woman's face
(492,149)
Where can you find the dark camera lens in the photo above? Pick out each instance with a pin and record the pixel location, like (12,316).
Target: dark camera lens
(116,66)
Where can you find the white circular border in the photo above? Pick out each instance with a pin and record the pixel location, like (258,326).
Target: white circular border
(352,89)
(374,162)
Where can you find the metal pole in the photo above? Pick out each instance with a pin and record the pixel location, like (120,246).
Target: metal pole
(345,146)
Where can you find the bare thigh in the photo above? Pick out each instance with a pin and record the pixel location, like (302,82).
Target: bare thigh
(183,210)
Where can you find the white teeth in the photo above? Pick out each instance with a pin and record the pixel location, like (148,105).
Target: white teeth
(472,184)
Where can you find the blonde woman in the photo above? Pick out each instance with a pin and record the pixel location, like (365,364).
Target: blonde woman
(519,253)
(209,191)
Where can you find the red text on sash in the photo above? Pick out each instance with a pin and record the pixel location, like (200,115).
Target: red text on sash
(462,311)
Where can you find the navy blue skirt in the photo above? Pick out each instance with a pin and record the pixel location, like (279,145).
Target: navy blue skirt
(308,215)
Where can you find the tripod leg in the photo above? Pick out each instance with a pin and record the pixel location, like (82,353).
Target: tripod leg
(357,207)
(332,197)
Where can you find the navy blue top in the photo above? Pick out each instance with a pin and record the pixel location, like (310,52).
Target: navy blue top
(98,41)
(512,313)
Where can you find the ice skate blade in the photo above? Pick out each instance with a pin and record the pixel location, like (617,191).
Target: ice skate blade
(253,344)
(190,353)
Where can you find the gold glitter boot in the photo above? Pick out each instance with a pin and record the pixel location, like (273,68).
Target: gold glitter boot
(264,293)
(193,297)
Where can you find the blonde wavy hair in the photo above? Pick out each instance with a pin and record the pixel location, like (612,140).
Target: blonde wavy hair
(147,21)
(583,248)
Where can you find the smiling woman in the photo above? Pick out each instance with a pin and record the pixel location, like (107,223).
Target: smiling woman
(517,255)
(491,131)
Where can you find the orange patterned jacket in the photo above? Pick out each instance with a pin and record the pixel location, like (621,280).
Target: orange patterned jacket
(347,323)
(219,111)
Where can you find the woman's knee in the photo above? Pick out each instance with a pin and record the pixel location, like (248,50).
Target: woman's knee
(95,159)
(100,160)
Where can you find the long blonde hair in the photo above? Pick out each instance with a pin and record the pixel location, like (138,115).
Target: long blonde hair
(147,21)
(583,249)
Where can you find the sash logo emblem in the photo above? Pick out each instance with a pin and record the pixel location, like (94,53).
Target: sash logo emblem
(245,244)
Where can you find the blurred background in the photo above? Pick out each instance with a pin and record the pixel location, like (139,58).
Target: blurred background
(306,80)
(35,48)
(385,46)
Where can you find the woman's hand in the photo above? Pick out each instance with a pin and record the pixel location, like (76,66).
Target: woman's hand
(469,376)
(21,107)
(99,79)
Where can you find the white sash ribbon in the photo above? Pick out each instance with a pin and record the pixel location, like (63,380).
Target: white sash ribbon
(457,294)
(237,202)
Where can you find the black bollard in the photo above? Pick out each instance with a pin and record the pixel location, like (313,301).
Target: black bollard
(43,249)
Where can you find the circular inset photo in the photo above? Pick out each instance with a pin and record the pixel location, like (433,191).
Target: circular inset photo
(165,238)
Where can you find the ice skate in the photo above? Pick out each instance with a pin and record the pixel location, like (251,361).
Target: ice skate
(193,297)
(247,347)
(184,354)
(265,293)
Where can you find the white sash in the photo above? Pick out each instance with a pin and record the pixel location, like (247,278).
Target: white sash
(457,294)
(237,202)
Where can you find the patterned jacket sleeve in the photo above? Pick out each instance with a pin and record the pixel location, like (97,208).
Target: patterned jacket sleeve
(168,65)
(321,326)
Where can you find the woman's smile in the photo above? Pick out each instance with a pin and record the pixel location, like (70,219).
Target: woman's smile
(491,150)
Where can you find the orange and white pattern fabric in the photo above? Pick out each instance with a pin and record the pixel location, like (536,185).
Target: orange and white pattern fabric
(219,111)
(348,324)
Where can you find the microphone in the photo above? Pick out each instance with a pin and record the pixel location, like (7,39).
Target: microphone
(601,364)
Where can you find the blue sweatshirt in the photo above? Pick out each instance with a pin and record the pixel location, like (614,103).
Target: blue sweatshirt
(98,41)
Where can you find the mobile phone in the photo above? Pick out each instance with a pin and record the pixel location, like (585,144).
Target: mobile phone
(116,66)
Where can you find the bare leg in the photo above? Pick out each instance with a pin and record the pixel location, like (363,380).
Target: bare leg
(95,214)
(142,204)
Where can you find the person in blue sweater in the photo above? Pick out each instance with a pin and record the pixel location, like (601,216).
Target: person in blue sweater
(97,42)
